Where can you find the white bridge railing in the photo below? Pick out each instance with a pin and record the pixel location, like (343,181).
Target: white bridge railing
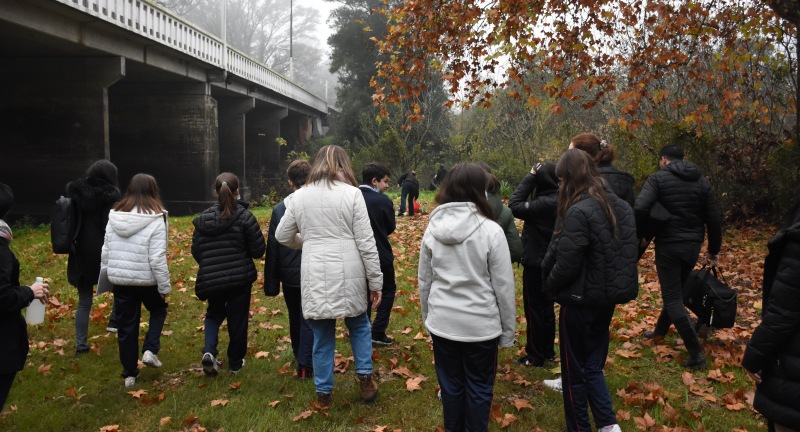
(155,23)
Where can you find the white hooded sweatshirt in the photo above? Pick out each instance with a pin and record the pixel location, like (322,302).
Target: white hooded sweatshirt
(466,282)
(135,250)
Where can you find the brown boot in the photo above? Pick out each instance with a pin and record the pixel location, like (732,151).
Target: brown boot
(369,387)
(324,400)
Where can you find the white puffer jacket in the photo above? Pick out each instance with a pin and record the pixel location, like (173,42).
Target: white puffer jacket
(135,250)
(466,283)
(340,260)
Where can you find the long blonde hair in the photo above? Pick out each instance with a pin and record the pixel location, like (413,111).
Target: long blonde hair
(332,163)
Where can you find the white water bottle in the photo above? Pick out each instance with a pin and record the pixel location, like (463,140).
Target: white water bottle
(34,314)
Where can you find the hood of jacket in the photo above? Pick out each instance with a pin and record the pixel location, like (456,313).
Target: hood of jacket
(496,203)
(452,223)
(93,193)
(684,170)
(210,223)
(126,224)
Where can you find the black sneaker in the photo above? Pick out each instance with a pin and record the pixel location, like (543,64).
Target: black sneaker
(382,340)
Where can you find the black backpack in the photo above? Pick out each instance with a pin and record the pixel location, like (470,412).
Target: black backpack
(65,223)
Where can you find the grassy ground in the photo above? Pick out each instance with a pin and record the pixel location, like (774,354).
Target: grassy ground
(58,392)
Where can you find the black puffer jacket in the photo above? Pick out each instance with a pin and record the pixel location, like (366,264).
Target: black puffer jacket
(539,215)
(686,195)
(621,183)
(13,298)
(282,263)
(589,264)
(94,197)
(225,250)
(774,348)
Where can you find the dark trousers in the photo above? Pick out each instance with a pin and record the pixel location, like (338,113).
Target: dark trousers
(411,191)
(233,304)
(299,332)
(540,317)
(583,338)
(128,300)
(6,380)
(466,373)
(381,321)
(674,261)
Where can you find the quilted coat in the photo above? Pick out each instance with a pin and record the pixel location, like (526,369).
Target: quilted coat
(620,182)
(224,249)
(329,221)
(135,250)
(686,195)
(589,264)
(774,348)
(504,218)
(466,283)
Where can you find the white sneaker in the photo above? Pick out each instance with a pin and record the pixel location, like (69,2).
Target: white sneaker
(130,382)
(210,364)
(553,384)
(610,428)
(151,359)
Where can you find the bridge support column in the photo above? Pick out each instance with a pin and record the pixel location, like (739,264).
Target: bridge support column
(54,118)
(263,128)
(232,138)
(168,130)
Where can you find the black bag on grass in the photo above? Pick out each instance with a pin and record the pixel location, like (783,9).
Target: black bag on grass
(710,298)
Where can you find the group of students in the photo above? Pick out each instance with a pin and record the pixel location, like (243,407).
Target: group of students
(581,249)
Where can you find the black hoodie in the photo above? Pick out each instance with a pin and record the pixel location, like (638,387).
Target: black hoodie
(94,198)
(225,249)
(683,191)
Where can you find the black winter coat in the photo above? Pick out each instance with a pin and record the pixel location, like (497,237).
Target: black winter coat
(282,263)
(589,264)
(774,347)
(382,219)
(686,195)
(95,198)
(621,183)
(539,215)
(225,250)
(13,298)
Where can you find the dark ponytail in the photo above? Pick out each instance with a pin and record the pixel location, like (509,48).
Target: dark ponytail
(226,186)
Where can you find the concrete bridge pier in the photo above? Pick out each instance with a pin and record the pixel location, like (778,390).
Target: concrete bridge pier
(263,128)
(54,118)
(232,138)
(168,130)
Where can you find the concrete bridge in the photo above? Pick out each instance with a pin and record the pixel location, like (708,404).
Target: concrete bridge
(126,80)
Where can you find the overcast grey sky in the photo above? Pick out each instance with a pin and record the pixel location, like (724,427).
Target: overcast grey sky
(324,9)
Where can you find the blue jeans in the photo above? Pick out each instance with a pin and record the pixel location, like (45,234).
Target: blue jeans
(325,343)
(233,304)
(82,312)
(466,373)
(583,336)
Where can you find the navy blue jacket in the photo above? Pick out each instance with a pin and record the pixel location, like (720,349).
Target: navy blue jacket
(225,249)
(382,219)
(283,263)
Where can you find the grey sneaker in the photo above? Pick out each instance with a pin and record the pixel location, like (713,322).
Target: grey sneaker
(151,359)
(210,364)
(553,384)
(130,382)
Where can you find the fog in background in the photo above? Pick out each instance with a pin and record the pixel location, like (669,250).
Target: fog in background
(260,28)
